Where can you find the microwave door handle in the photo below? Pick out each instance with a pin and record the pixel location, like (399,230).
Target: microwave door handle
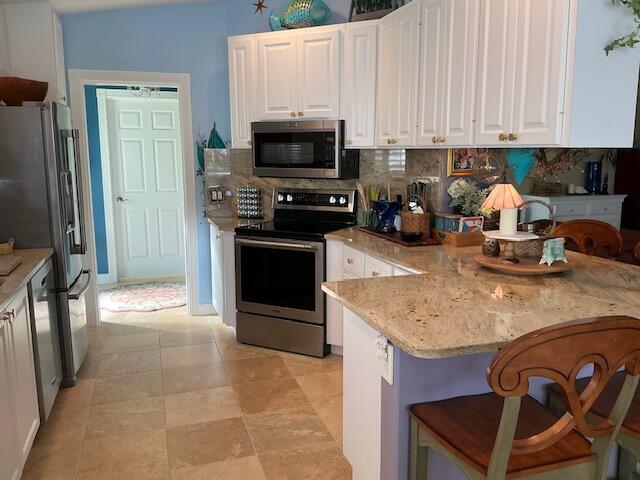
(80,249)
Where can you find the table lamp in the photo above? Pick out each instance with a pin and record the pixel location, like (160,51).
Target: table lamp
(504,197)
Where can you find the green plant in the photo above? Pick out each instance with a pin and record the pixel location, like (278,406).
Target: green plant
(633,38)
(466,196)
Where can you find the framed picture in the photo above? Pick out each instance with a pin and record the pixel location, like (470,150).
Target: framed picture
(471,224)
(460,162)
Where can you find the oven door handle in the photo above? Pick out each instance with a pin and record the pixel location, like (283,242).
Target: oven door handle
(260,243)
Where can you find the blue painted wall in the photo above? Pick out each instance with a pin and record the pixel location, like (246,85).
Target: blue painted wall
(186,38)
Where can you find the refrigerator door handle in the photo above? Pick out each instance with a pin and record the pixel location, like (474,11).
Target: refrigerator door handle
(82,248)
(66,186)
(77,295)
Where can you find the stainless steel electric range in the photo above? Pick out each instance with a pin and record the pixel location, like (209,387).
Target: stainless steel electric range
(280,266)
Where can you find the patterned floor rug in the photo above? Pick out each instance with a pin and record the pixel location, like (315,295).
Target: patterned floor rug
(144,297)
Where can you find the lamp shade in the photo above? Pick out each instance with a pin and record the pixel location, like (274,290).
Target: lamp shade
(504,195)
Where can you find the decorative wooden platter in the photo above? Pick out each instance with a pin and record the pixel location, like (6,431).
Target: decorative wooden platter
(526,266)
(396,238)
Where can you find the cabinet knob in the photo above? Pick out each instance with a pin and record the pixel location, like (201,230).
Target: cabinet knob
(349,142)
(301,114)
(249,142)
(513,137)
(503,137)
(388,141)
(350,261)
(375,274)
(443,139)
(434,140)
(293,114)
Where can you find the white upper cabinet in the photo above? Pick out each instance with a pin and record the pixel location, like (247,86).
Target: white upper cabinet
(278,76)
(359,83)
(319,67)
(242,88)
(299,74)
(522,72)
(398,69)
(448,72)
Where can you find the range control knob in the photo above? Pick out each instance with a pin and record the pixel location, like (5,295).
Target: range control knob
(332,200)
(343,200)
(280,197)
(289,197)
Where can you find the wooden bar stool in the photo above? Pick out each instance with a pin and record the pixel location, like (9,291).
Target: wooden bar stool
(508,434)
(592,237)
(629,436)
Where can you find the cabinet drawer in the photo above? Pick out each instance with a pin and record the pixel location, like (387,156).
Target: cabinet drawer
(613,220)
(577,210)
(353,262)
(376,268)
(605,208)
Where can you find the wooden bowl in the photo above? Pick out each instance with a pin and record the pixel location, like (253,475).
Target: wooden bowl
(14,90)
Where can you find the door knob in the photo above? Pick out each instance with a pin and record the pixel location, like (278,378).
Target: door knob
(513,137)
(120,199)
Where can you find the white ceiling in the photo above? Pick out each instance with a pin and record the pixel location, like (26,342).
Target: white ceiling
(75,6)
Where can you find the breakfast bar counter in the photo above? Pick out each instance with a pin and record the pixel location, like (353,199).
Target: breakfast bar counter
(444,325)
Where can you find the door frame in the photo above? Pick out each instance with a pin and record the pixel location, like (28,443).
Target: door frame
(109,212)
(78,79)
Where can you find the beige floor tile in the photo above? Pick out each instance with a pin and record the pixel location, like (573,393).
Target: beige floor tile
(287,429)
(238,351)
(201,406)
(128,387)
(319,385)
(186,337)
(128,456)
(130,343)
(209,442)
(270,395)
(330,411)
(246,468)
(307,463)
(128,363)
(256,369)
(193,378)
(90,366)
(53,462)
(119,329)
(78,395)
(129,416)
(65,425)
(303,365)
(186,356)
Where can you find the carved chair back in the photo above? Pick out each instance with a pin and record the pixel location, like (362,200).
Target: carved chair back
(636,253)
(592,237)
(559,353)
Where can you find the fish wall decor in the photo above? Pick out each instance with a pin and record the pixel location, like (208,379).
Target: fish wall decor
(300,14)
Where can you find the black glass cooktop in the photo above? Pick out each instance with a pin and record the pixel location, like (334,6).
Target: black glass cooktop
(294,229)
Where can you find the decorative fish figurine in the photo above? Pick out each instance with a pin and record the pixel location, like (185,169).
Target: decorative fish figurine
(300,14)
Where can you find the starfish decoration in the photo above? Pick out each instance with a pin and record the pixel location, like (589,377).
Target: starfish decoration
(260,6)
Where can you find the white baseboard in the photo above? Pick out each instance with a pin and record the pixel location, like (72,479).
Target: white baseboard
(202,310)
(106,279)
(336,350)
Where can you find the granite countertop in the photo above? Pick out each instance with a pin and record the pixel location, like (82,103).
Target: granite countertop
(455,307)
(229,224)
(32,260)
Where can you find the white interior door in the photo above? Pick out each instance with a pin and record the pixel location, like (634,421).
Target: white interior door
(145,156)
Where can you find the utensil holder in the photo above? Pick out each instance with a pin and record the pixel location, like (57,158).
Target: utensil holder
(367,218)
(415,222)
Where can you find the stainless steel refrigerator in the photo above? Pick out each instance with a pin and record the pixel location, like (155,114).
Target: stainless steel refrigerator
(41,206)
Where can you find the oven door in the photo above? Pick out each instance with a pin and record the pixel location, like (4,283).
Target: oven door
(280,278)
(307,149)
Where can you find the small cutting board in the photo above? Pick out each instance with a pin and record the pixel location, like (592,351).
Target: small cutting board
(8,263)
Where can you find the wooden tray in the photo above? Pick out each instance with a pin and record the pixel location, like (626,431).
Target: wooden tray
(8,263)
(527,266)
(396,238)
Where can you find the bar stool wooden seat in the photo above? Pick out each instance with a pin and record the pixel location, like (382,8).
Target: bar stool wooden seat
(629,435)
(592,237)
(508,434)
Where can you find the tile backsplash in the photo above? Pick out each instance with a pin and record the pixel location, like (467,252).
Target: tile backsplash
(395,168)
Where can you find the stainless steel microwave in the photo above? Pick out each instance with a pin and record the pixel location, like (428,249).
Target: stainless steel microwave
(302,149)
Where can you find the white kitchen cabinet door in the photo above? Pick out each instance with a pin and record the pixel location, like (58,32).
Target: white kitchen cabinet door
(242,89)
(217,290)
(334,307)
(9,457)
(386,118)
(319,70)
(277,82)
(540,71)
(359,84)
(24,380)
(398,60)
(58,50)
(460,72)
(494,102)
(432,65)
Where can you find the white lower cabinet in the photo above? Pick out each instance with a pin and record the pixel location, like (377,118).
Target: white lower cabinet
(19,414)
(223,274)
(362,402)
